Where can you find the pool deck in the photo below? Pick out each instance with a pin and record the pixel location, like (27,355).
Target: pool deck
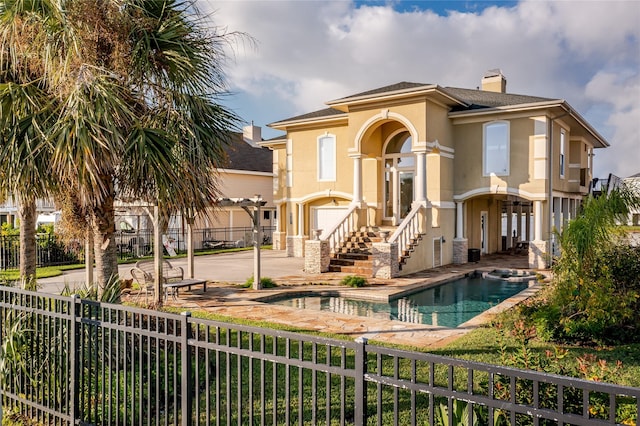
(229,300)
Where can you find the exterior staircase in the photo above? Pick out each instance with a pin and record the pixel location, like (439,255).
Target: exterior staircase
(355,253)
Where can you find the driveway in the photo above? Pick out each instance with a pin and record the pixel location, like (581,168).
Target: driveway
(234,267)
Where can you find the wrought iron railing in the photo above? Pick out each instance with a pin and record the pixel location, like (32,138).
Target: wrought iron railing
(408,230)
(76,361)
(336,235)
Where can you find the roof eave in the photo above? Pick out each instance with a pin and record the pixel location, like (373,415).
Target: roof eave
(560,103)
(282,125)
(343,103)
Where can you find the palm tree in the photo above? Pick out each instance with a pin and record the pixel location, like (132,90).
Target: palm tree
(23,155)
(134,92)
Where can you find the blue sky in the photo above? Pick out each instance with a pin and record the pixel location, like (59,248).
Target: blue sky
(305,53)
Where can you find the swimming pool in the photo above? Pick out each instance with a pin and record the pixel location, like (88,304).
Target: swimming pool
(448,305)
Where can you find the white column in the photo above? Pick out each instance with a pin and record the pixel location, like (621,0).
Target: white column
(519,224)
(300,219)
(357,178)
(537,217)
(459,221)
(509,226)
(557,213)
(421,176)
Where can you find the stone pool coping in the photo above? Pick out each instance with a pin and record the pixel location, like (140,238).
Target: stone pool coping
(230,300)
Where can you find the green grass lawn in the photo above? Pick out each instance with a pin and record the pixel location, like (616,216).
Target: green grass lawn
(483,345)
(14,274)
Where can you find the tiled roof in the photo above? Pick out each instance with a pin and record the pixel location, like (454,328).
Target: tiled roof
(403,85)
(473,98)
(327,112)
(242,156)
(483,99)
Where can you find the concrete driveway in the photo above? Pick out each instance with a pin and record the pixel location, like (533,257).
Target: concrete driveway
(227,267)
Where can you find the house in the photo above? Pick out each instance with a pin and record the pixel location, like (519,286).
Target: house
(45,209)
(247,173)
(634,183)
(412,176)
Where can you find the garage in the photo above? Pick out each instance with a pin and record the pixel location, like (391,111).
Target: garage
(326,218)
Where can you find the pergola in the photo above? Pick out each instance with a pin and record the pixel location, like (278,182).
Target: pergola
(250,205)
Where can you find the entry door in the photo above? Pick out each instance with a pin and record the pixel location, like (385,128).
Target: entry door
(398,188)
(484,227)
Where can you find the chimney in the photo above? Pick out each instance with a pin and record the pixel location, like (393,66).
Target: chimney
(252,134)
(494,81)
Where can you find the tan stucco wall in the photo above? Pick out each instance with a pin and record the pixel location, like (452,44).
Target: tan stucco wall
(468,160)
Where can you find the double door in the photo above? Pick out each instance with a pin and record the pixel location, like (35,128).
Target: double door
(399,177)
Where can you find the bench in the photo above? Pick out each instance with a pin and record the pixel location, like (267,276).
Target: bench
(172,278)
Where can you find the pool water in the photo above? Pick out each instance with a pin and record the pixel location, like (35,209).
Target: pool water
(447,305)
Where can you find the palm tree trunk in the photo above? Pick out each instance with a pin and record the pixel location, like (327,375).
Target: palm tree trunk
(104,243)
(27,214)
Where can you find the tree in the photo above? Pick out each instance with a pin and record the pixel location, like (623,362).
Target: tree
(133,90)
(23,153)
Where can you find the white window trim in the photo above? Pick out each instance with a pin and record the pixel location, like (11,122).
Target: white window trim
(484,148)
(333,172)
(563,158)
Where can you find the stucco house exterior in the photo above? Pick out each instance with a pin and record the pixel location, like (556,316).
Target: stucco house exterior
(412,176)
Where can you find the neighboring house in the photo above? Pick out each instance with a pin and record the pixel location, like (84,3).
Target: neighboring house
(247,172)
(45,210)
(634,182)
(446,172)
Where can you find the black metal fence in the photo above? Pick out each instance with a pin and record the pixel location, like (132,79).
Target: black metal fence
(78,361)
(50,251)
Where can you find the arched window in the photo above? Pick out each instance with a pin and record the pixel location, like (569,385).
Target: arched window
(495,158)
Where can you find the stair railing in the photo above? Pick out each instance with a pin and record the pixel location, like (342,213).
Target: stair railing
(341,230)
(408,229)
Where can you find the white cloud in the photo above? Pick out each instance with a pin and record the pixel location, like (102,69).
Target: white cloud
(310,52)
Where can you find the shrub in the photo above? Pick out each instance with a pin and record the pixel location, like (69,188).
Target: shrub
(265,281)
(354,281)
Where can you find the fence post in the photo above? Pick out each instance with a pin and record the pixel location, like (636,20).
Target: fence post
(360,402)
(186,367)
(74,349)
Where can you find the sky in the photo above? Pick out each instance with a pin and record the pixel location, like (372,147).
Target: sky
(299,54)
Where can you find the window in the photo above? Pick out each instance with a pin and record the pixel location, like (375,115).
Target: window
(327,158)
(563,137)
(496,149)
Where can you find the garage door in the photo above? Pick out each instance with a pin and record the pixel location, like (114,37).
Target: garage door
(326,218)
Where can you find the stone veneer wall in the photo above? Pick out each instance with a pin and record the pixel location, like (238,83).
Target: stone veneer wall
(460,251)
(538,255)
(385,260)
(316,258)
(298,245)
(279,240)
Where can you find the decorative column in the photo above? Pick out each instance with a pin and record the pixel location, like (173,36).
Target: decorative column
(357,177)
(300,238)
(519,223)
(279,237)
(460,244)
(538,249)
(421,177)
(509,226)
